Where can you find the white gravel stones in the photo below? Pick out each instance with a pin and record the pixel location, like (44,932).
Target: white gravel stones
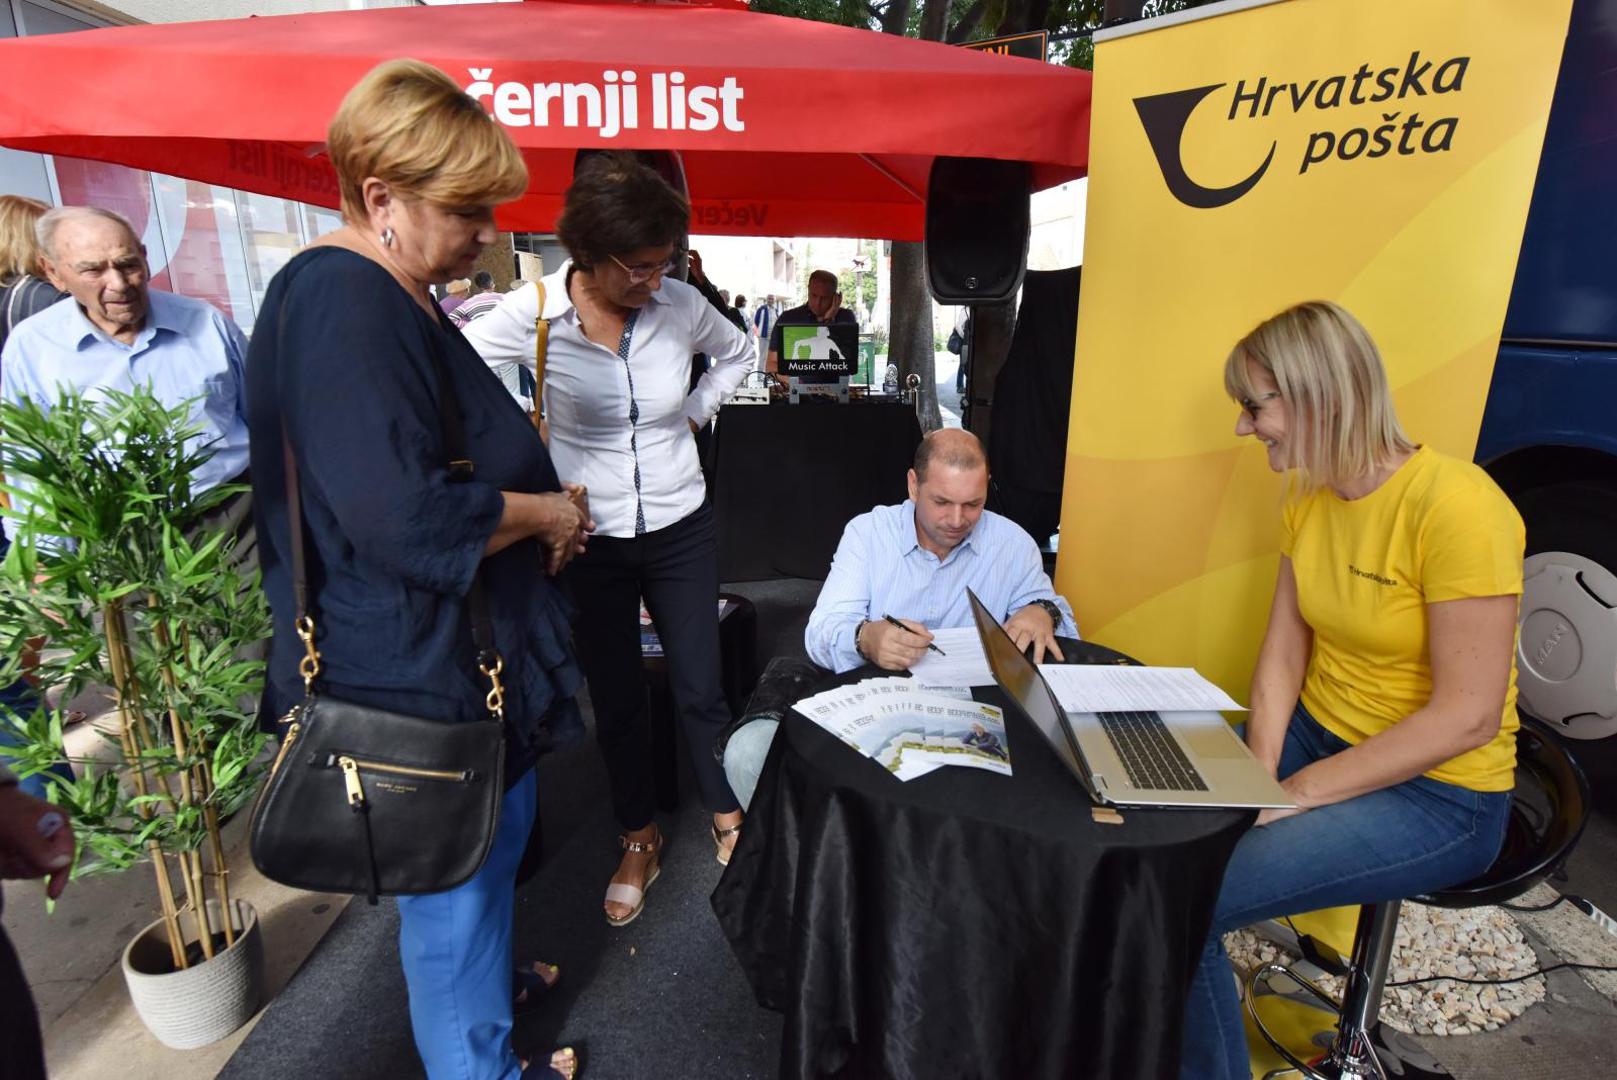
(1469,943)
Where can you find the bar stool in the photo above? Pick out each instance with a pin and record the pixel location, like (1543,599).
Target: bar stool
(1547,814)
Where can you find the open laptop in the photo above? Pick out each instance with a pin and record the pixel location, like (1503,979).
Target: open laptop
(1190,759)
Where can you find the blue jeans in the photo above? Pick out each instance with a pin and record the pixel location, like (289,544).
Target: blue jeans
(457,955)
(1390,844)
(744,757)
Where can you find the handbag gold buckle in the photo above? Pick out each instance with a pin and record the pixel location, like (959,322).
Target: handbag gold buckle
(495,701)
(309,666)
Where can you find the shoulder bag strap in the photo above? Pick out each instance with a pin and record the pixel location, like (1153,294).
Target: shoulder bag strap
(461,470)
(541,344)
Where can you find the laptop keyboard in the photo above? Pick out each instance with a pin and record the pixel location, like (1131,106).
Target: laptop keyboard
(1150,755)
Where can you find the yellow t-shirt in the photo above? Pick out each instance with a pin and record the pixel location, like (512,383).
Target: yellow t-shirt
(1438,529)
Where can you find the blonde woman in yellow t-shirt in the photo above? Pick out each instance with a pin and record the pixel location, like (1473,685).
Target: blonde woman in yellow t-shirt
(1384,698)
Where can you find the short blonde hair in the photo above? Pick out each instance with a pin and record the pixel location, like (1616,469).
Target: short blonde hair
(1330,374)
(19,247)
(407,124)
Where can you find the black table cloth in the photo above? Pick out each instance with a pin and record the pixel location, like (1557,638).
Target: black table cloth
(787,478)
(966,924)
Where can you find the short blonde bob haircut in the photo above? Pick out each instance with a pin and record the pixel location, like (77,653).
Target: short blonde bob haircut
(407,124)
(1330,374)
(19,247)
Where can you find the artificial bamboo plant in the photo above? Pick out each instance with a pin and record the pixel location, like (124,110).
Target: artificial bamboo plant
(114,569)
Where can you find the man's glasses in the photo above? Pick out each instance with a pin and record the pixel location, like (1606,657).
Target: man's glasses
(641,272)
(1254,408)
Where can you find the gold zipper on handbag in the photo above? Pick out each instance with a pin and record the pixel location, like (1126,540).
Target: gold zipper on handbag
(351,766)
(286,744)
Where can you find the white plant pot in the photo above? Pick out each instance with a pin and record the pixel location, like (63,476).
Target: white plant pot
(207,1001)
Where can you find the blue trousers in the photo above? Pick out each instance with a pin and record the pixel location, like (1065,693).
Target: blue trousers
(1388,845)
(457,954)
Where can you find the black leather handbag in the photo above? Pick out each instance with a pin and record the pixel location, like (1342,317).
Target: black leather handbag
(366,801)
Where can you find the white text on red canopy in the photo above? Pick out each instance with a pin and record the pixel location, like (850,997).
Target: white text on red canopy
(612,105)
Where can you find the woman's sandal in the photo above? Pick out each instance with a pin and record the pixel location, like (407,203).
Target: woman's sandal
(548,1070)
(528,985)
(635,898)
(719,836)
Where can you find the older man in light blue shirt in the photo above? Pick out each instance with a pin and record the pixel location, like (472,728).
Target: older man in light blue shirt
(915,561)
(117,333)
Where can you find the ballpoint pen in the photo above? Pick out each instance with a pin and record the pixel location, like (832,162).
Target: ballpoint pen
(907,630)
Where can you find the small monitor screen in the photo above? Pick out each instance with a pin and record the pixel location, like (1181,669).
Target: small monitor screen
(819,350)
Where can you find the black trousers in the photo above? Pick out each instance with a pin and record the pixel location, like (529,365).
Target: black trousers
(676,570)
(22,1055)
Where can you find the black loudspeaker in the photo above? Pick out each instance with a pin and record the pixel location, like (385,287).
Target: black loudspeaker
(977,224)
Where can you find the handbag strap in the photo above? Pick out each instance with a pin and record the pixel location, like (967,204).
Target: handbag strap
(541,344)
(461,469)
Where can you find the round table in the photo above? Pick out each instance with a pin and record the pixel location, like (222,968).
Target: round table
(966,924)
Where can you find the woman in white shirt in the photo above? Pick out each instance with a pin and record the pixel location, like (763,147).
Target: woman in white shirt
(622,418)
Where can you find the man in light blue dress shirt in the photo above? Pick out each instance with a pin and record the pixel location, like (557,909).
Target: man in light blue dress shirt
(118,333)
(915,561)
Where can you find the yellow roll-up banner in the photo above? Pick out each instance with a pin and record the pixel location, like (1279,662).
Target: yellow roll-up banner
(1245,157)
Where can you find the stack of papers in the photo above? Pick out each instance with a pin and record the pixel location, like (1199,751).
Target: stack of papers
(1091,688)
(909,730)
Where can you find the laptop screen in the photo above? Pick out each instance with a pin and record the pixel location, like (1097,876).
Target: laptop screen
(1018,677)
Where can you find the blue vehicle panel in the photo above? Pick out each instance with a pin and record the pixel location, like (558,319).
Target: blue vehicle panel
(1566,277)
(1556,379)
(1548,396)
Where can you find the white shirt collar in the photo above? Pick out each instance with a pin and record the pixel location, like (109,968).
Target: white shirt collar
(558,303)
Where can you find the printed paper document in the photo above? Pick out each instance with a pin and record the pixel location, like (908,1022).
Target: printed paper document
(1090,688)
(965,664)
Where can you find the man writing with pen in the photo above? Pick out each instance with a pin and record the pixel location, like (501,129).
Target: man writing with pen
(902,571)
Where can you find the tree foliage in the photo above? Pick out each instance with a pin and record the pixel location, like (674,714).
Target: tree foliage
(1069,22)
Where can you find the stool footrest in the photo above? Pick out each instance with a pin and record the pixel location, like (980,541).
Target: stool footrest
(1260,975)
(1356,1061)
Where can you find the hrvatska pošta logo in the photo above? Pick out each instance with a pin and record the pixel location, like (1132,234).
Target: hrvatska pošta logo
(1362,115)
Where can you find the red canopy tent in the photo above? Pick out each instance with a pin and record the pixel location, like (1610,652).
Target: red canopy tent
(786,127)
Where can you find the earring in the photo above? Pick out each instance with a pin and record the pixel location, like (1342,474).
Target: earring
(387,237)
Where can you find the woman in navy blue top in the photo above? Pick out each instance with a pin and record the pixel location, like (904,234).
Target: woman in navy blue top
(346,365)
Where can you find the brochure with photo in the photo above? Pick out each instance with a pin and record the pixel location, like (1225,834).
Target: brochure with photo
(901,756)
(959,733)
(910,730)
